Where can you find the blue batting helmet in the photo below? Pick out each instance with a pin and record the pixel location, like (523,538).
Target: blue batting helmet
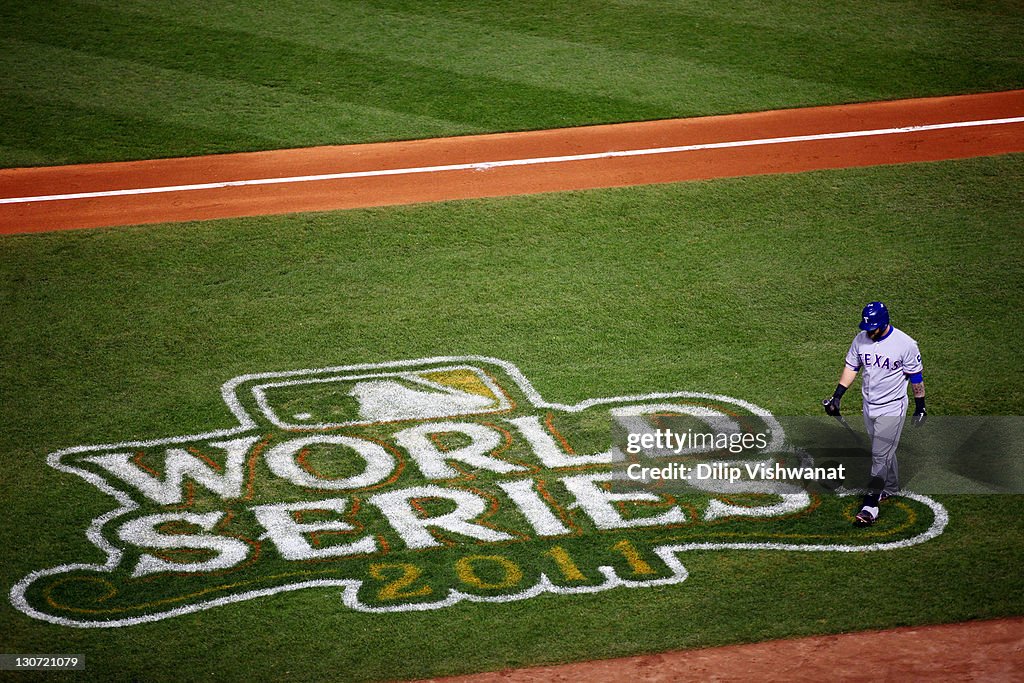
(874,316)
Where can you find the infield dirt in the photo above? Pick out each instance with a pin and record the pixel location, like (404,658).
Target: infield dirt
(975,651)
(420,170)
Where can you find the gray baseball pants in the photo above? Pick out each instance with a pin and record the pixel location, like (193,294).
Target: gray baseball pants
(884,424)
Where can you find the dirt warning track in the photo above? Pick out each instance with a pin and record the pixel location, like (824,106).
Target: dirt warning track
(973,651)
(352,176)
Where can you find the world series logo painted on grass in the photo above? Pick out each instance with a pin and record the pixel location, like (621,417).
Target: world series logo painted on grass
(416,485)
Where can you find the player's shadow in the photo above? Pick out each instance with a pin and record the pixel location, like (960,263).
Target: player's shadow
(826,442)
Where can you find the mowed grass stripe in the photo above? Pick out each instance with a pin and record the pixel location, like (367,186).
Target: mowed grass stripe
(666,54)
(863,49)
(44,131)
(169,112)
(412,38)
(305,72)
(399,65)
(929,26)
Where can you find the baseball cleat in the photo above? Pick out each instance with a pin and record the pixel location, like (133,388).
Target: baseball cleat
(883,496)
(864,518)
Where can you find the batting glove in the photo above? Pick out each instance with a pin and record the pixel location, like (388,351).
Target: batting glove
(831,406)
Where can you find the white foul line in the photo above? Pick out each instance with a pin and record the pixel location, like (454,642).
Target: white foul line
(485,165)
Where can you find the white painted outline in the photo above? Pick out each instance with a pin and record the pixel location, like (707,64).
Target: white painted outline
(260,393)
(530,161)
(229,390)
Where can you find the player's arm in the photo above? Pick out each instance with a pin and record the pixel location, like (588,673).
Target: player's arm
(917,387)
(846,378)
(913,367)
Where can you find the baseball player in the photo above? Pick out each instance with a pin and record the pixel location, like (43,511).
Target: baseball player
(888,358)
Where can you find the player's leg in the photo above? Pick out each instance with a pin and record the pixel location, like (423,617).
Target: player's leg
(892,473)
(890,426)
(884,467)
(884,425)
(879,467)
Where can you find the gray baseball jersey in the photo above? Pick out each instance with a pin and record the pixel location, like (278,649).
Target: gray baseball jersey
(884,365)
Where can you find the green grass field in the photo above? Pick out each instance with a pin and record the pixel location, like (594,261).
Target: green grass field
(747,287)
(97,80)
